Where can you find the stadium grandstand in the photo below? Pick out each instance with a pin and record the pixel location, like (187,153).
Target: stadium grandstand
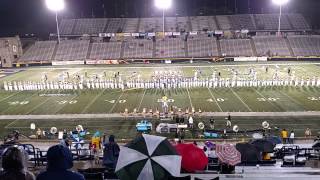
(194,37)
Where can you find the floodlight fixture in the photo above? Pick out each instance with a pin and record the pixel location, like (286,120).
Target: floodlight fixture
(55,5)
(163,4)
(280,2)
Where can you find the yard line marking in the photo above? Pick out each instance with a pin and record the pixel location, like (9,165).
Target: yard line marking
(189,95)
(266,98)
(10,96)
(141,99)
(8,126)
(92,101)
(35,93)
(241,99)
(295,101)
(190,98)
(65,104)
(116,102)
(155,106)
(215,100)
(39,105)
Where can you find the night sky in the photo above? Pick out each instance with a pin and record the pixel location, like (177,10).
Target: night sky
(32,16)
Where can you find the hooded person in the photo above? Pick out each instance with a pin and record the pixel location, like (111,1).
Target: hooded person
(14,162)
(111,153)
(59,162)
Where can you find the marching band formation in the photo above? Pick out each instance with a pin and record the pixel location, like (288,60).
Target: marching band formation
(159,80)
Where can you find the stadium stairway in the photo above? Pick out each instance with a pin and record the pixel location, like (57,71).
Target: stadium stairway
(289,47)
(89,51)
(138,26)
(292,26)
(54,52)
(219,48)
(189,23)
(186,49)
(215,19)
(74,27)
(122,50)
(106,27)
(253,47)
(253,21)
(153,49)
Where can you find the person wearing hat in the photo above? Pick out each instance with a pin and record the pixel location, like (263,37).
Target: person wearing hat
(59,162)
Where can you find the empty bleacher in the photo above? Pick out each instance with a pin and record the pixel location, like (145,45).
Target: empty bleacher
(131,25)
(202,47)
(244,21)
(271,46)
(150,25)
(170,47)
(184,24)
(298,22)
(224,22)
(236,47)
(170,24)
(89,26)
(40,51)
(212,23)
(138,49)
(200,23)
(105,51)
(66,26)
(271,22)
(72,50)
(115,25)
(305,45)
(176,24)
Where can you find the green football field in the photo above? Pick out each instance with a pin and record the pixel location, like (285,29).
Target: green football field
(108,101)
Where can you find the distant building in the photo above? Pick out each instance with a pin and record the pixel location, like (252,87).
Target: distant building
(10,50)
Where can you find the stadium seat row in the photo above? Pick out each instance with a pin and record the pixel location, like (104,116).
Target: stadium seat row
(195,46)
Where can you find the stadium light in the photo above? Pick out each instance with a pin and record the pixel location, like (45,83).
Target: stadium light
(56,6)
(164,5)
(280,3)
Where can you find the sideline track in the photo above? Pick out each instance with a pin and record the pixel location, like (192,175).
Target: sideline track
(117,115)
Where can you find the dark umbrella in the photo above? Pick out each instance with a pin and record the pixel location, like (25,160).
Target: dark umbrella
(263,145)
(316,145)
(274,139)
(249,153)
(148,157)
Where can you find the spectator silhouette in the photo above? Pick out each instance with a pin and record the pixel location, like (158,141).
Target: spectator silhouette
(59,161)
(111,153)
(14,164)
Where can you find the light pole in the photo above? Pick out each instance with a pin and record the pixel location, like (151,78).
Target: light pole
(280,3)
(163,5)
(56,6)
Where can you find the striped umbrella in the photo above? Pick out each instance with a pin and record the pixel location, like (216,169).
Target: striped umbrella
(148,157)
(228,154)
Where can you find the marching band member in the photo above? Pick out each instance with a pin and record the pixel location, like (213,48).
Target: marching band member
(5,85)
